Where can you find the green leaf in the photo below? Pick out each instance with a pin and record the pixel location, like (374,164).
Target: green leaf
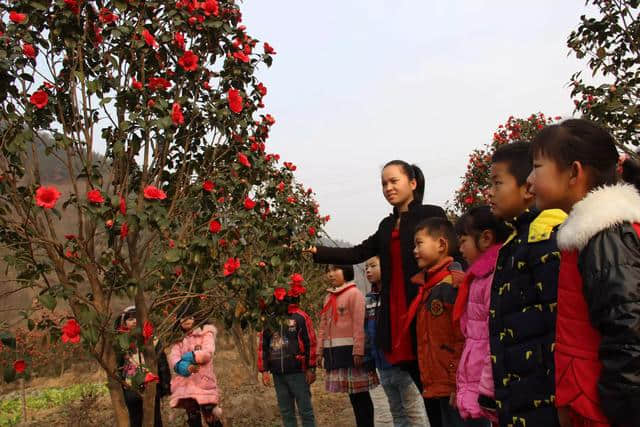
(47,301)
(173,255)
(7,339)
(8,374)
(275,260)
(123,341)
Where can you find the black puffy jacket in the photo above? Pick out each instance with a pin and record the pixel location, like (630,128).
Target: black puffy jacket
(601,227)
(379,244)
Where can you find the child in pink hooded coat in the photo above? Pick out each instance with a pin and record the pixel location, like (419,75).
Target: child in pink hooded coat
(480,234)
(194,387)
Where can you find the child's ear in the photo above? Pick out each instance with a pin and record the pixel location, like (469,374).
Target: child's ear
(576,173)
(528,195)
(486,240)
(443,245)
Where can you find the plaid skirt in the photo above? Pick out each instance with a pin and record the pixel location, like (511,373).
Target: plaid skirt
(350,380)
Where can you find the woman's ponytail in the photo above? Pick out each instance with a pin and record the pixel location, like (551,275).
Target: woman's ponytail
(631,172)
(418,193)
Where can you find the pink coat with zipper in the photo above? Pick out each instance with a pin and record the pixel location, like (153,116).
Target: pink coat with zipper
(202,385)
(474,374)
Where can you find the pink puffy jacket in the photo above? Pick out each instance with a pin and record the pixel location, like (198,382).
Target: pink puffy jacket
(474,374)
(201,386)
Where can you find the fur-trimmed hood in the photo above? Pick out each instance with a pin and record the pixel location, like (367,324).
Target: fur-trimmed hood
(602,208)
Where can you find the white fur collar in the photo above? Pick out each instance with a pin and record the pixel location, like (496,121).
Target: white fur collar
(602,208)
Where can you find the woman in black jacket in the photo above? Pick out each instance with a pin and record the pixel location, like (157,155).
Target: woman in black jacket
(403,187)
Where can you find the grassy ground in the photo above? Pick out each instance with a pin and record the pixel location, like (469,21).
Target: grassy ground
(79,398)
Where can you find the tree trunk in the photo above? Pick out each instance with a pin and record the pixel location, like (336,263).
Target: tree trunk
(120,411)
(245,342)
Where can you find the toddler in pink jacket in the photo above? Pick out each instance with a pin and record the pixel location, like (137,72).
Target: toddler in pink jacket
(194,386)
(480,234)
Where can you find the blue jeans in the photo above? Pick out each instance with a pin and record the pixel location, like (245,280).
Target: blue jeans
(405,401)
(292,390)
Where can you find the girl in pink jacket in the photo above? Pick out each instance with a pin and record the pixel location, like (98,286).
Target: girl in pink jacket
(480,234)
(194,386)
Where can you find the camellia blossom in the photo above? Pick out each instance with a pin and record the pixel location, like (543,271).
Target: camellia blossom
(176,114)
(312,231)
(178,38)
(17,18)
(95,196)
(280,293)
(235,100)
(123,205)
(19,366)
(40,99)
(71,332)
(154,193)
(280,186)
(28,50)
(136,84)
(210,7)
(156,83)
(73,6)
(240,56)
(150,378)
(107,17)
(189,61)
(268,49)
(296,279)
(262,89)
(215,226)
(147,331)
(249,204)
(231,266)
(149,39)
(124,231)
(243,160)
(296,290)
(208,186)
(47,197)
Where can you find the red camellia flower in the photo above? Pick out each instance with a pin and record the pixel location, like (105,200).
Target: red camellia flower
(176,114)
(243,160)
(17,18)
(249,204)
(210,7)
(296,279)
(19,366)
(312,231)
(156,83)
(468,200)
(269,119)
(290,166)
(215,226)
(280,186)
(107,17)
(154,193)
(280,293)
(136,84)
(40,99)
(235,100)
(123,205)
(268,49)
(71,332)
(150,378)
(231,266)
(95,196)
(208,186)
(28,50)
(296,290)
(149,39)
(147,331)
(189,61)
(262,89)
(240,56)
(124,231)
(73,6)
(178,38)
(47,197)
(291,199)
(151,103)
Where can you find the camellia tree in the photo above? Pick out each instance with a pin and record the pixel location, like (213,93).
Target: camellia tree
(185,191)
(610,42)
(475,182)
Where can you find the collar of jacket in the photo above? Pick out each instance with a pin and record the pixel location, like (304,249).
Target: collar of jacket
(601,208)
(422,277)
(341,289)
(525,217)
(486,262)
(414,204)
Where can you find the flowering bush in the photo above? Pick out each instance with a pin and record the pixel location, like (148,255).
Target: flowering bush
(185,203)
(475,182)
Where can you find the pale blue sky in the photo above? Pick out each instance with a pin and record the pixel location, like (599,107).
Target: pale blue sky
(357,83)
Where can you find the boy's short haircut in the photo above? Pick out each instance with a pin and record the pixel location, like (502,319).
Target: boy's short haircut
(347,271)
(440,227)
(518,157)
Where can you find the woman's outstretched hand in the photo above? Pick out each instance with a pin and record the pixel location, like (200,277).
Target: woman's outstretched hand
(310,250)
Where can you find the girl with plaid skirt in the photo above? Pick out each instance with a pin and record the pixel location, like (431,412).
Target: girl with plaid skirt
(341,341)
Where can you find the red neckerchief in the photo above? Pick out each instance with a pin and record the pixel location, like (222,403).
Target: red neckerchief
(435,275)
(332,303)
(463,296)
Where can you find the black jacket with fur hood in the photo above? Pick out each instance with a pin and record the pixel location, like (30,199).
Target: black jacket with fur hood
(600,227)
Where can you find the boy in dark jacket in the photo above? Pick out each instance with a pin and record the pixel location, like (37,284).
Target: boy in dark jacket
(524,291)
(289,353)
